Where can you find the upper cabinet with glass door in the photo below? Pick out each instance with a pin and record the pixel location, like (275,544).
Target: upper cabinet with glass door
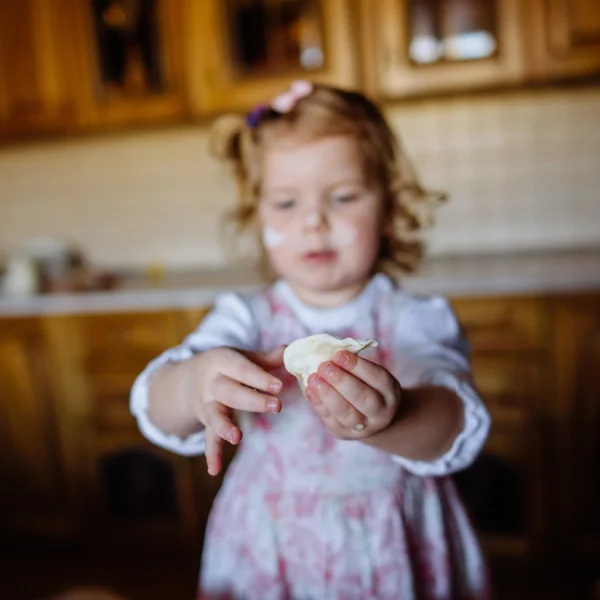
(131,60)
(245,51)
(416,47)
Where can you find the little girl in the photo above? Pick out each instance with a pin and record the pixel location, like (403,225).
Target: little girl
(343,491)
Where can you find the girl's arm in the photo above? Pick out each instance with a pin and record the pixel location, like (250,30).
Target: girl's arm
(426,425)
(160,395)
(441,415)
(424,410)
(169,392)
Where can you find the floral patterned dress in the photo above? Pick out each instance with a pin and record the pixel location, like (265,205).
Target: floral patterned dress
(304,516)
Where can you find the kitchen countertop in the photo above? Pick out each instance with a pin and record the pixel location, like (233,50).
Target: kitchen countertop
(548,272)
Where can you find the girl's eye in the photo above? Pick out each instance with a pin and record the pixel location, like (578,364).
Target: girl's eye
(345,198)
(285,204)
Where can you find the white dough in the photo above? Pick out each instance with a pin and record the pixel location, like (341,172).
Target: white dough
(303,357)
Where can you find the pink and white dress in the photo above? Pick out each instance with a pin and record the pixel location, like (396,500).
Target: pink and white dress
(304,516)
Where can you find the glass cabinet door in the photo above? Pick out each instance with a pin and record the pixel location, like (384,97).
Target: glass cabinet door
(132,59)
(274,36)
(445,45)
(246,51)
(129,48)
(451,30)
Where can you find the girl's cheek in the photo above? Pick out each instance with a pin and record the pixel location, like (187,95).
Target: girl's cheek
(344,234)
(272,238)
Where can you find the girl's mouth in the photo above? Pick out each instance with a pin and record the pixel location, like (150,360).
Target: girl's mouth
(320,257)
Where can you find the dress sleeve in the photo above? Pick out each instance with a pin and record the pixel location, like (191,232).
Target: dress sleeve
(433,350)
(230,323)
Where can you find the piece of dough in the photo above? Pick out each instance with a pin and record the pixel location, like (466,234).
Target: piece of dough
(303,357)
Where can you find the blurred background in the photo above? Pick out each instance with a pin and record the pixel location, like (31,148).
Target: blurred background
(111,250)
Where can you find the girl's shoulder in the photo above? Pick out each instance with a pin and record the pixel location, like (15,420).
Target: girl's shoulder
(403,298)
(423,317)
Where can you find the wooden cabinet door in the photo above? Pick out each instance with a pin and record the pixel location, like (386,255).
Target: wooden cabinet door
(130,61)
(32,498)
(37,68)
(565,37)
(505,488)
(577,417)
(130,493)
(415,47)
(242,53)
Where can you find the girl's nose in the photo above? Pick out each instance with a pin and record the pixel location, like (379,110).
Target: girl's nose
(314,221)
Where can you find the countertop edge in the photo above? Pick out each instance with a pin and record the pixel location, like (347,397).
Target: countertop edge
(189,298)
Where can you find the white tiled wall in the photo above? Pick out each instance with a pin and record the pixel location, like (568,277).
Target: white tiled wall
(523,172)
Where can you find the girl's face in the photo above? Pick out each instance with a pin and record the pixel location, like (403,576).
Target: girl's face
(320,219)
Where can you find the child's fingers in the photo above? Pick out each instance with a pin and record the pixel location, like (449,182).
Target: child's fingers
(339,407)
(374,375)
(213,452)
(360,394)
(218,420)
(237,396)
(317,405)
(240,368)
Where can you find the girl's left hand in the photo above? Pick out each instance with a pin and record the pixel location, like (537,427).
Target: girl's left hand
(354,397)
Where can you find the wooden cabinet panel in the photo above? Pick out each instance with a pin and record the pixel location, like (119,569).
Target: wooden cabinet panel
(565,37)
(507,381)
(577,418)
(505,488)
(125,333)
(145,497)
(502,324)
(37,68)
(221,81)
(470,45)
(32,495)
(504,491)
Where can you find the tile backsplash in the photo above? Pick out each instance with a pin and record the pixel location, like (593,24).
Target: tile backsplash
(522,171)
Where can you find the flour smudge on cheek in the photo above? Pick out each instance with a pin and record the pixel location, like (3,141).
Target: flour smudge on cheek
(272,238)
(343,234)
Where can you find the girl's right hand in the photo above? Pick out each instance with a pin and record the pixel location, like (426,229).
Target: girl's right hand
(226,379)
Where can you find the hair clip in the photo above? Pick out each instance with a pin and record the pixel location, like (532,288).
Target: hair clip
(282,104)
(286,101)
(254,117)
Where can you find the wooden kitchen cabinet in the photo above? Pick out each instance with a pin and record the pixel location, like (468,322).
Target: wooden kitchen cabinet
(565,38)
(70,66)
(130,61)
(420,47)
(242,53)
(134,493)
(38,93)
(32,490)
(506,487)
(73,463)
(77,65)
(576,476)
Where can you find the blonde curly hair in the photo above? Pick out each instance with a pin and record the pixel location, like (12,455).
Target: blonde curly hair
(327,111)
